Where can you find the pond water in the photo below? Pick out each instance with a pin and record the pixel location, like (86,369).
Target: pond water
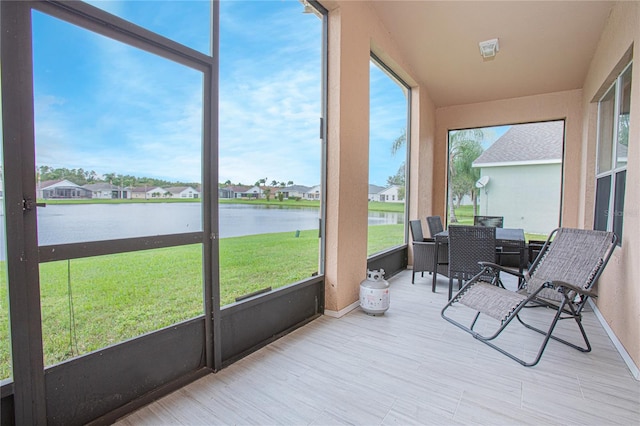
(72,223)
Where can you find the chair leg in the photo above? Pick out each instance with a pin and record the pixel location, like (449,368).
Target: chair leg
(578,319)
(450,287)
(413,276)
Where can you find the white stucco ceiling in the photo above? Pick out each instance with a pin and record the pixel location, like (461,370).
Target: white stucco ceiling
(545,46)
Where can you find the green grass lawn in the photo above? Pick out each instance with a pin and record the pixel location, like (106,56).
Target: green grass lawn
(117,297)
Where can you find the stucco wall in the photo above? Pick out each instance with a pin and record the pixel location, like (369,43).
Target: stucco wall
(619,287)
(355,31)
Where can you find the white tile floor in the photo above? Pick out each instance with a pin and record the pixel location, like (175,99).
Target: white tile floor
(408,366)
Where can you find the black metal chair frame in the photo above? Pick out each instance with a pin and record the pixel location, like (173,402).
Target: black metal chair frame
(568,299)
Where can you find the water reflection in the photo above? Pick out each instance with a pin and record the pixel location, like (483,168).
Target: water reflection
(72,223)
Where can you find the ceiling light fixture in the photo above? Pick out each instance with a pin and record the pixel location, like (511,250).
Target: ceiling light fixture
(489,48)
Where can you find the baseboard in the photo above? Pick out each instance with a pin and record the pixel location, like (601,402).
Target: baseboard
(343,311)
(633,368)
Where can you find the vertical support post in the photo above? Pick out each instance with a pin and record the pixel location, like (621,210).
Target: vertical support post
(22,242)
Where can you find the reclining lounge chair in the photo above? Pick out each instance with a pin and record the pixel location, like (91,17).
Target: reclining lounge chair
(561,278)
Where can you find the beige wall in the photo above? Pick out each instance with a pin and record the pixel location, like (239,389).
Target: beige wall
(354,31)
(552,106)
(619,287)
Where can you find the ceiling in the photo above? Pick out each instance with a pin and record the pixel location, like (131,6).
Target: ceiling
(545,46)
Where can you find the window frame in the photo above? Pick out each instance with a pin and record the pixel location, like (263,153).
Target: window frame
(615,172)
(398,80)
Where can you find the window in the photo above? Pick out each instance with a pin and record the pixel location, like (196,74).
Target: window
(388,124)
(5,342)
(490,166)
(270,105)
(614,109)
(111,118)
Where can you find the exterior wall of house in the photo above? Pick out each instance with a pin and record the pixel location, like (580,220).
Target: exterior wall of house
(138,195)
(528,196)
(619,286)
(354,31)
(390,195)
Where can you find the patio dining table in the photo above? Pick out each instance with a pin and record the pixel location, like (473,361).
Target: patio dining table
(511,239)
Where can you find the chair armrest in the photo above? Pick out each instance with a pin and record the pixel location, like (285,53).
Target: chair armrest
(562,286)
(500,268)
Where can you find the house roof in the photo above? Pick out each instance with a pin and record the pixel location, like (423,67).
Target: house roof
(374,189)
(177,189)
(99,186)
(238,188)
(56,182)
(526,143)
(296,188)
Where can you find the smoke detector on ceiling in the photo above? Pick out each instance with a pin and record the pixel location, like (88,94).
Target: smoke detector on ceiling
(489,48)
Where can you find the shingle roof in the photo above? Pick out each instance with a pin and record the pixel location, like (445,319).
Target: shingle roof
(297,188)
(99,186)
(526,143)
(375,189)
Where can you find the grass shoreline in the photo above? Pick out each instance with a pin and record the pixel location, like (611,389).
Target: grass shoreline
(120,296)
(372,205)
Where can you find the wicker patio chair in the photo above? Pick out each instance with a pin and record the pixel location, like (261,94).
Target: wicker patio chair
(423,252)
(469,245)
(561,279)
(493,221)
(435,225)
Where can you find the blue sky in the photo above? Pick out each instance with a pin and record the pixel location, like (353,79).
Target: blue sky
(104,106)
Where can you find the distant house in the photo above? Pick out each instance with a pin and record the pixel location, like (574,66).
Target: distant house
(61,188)
(252,192)
(156,192)
(294,191)
(232,191)
(524,171)
(392,194)
(139,192)
(314,193)
(374,192)
(225,193)
(389,194)
(107,191)
(182,192)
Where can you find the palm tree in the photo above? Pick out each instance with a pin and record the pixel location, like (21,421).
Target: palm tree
(462,146)
(399,142)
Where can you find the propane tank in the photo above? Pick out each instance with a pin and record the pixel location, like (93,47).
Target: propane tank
(374,293)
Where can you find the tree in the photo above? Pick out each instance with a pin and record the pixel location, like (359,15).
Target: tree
(290,183)
(399,142)
(464,148)
(274,183)
(400,177)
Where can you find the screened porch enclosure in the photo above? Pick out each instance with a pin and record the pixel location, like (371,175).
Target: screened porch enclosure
(269,102)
